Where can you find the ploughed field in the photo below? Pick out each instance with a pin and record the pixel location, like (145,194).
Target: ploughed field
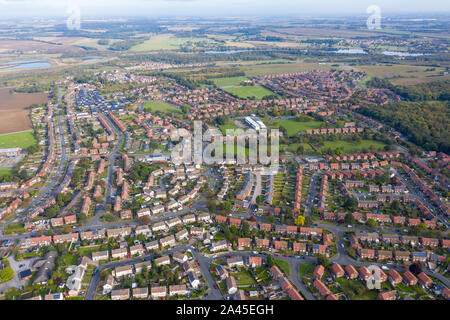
(14,110)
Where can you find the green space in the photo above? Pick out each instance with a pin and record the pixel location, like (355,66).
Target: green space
(293,127)
(303,268)
(347,146)
(284,266)
(293,147)
(246,92)
(232,81)
(244,278)
(15,228)
(355,289)
(17,140)
(158,106)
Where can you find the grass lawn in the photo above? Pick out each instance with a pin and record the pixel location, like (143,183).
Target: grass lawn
(17,140)
(302,269)
(294,146)
(263,274)
(246,92)
(232,81)
(70,259)
(6,173)
(86,251)
(155,106)
(355,290)
(244,278)
(15,228)
(293,127)
(351,147)
(284,266)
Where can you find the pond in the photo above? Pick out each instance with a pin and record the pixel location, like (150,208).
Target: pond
(26,65)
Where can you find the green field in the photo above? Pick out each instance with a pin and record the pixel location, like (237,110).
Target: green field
(17,140)
(293,127)
(232,81)
(4,171)
(244,278)
(164,42)
(284,266)
(294,146)
(246,92)
(351,147)
(155,106)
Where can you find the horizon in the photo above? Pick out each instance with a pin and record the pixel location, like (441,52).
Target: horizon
(16,9)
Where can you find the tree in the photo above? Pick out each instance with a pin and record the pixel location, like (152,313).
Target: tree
(145,220)
(349,218)
(415,268)
(212,205)
(350,203)
(300,221)
(270,260)
(371,223)
(323,260)
(6,274)
(227,206)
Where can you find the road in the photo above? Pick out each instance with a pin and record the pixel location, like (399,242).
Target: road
(213,294)
(112,157)
(311,194)
(52,183)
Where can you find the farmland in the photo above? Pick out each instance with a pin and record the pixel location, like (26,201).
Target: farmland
(164,42)
(14,110)
(405,74)
(246,92)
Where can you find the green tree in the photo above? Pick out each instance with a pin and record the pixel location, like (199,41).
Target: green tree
(371,223)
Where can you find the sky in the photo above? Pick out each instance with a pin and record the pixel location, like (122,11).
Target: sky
(217,8)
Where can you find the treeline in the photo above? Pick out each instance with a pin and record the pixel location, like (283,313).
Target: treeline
(125,44)
(438,90)
(424,123)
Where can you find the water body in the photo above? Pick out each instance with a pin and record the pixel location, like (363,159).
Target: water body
(94,60)
(351,51)
(401,54)
(28,65)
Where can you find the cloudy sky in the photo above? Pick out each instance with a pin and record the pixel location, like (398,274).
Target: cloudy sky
(158,8)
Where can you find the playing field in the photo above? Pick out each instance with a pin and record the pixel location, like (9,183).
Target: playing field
(346,146)
(245,92)
(232,81)
(293,127)
(17,140)
(158,106)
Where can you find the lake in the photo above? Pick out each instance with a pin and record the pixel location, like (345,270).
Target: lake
(26,65)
